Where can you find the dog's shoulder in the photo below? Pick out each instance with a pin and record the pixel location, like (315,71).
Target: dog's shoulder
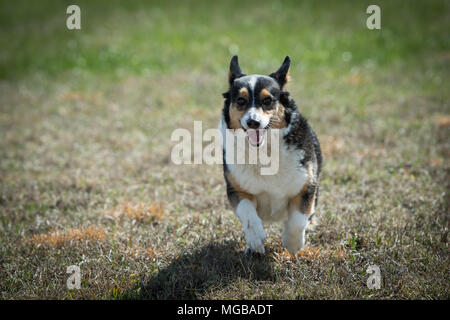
(300,136)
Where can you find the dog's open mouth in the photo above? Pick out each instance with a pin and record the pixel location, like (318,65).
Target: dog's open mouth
(256,137)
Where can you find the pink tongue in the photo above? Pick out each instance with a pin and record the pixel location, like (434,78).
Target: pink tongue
(255,136)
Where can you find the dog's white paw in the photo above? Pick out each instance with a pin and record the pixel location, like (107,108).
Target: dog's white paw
(295,243)
(252,226)
(294,232)
(255,236)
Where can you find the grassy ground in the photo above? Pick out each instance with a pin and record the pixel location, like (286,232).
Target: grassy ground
(86,177)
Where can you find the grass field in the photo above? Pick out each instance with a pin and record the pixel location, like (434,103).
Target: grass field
(86,177)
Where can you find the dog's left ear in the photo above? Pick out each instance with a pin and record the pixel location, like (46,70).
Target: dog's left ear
(282,74)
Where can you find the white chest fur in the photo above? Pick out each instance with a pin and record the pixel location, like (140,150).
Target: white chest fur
(273,191)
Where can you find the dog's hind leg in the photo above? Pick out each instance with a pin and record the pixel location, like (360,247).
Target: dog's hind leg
(301,208)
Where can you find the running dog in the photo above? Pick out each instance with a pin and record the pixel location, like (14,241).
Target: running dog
(258,104)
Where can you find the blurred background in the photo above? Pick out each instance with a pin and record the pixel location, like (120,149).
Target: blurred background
(85,123)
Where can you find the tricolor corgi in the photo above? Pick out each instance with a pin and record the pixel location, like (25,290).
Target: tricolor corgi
(258,104)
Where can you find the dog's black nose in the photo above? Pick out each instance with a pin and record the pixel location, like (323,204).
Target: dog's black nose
(253,124)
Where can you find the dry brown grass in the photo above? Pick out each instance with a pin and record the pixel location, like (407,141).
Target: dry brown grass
(58,237)
(311,254)
(82,97)
(140,251)
(141,212)
(443,121)
(330,145)
(355,79)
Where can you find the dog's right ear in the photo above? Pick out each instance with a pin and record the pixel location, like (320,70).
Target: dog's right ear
(235,71)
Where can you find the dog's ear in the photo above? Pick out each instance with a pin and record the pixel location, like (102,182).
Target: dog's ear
(235,71)
(282,74)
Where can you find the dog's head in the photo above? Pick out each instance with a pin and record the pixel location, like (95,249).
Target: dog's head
(255,101)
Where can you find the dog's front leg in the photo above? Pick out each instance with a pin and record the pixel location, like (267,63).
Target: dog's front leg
(252,226)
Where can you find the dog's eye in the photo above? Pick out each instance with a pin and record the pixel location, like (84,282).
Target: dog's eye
(267,101)
(241,101)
